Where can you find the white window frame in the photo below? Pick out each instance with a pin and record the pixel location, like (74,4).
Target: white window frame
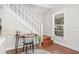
(53,24)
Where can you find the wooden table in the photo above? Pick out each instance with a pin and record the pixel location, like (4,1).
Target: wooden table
(18,36)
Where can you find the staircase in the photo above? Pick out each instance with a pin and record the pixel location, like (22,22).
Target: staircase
(46,41)
(27,19)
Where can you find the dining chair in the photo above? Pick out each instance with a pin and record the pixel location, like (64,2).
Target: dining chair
(28,41)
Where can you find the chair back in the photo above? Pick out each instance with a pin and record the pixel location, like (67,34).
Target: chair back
(28,39)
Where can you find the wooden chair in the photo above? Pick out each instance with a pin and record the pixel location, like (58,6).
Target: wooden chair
(28,40)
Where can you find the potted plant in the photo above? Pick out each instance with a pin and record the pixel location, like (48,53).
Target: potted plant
(39,37)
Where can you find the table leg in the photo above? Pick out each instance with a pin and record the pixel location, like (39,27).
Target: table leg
(26,49)
(16,46)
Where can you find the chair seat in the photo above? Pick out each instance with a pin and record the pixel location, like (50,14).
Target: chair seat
(26,43)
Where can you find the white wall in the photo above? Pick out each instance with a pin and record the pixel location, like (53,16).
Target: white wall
(0,13)
(47,23)
(2,46)
(71,27)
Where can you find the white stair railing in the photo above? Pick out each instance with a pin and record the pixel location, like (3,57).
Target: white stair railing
(26,15)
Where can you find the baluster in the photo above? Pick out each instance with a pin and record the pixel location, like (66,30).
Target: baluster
(15,8)
(23,12)
(19,12)
(10,6)
(27,16)
(18,9)
(29,19)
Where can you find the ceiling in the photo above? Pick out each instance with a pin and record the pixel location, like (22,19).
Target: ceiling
(36,7)
(46,7)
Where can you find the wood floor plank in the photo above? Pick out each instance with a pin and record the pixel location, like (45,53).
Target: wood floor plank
(54,49)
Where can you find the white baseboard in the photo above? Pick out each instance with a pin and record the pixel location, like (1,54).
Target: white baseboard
(65,45)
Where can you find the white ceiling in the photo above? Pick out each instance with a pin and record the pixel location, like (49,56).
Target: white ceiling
(52,6)
(36,7)
(46,7)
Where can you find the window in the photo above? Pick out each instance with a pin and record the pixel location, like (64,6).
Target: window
(59,24)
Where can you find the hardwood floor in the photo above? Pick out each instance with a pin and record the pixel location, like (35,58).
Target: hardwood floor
(54,49)
(58,49)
